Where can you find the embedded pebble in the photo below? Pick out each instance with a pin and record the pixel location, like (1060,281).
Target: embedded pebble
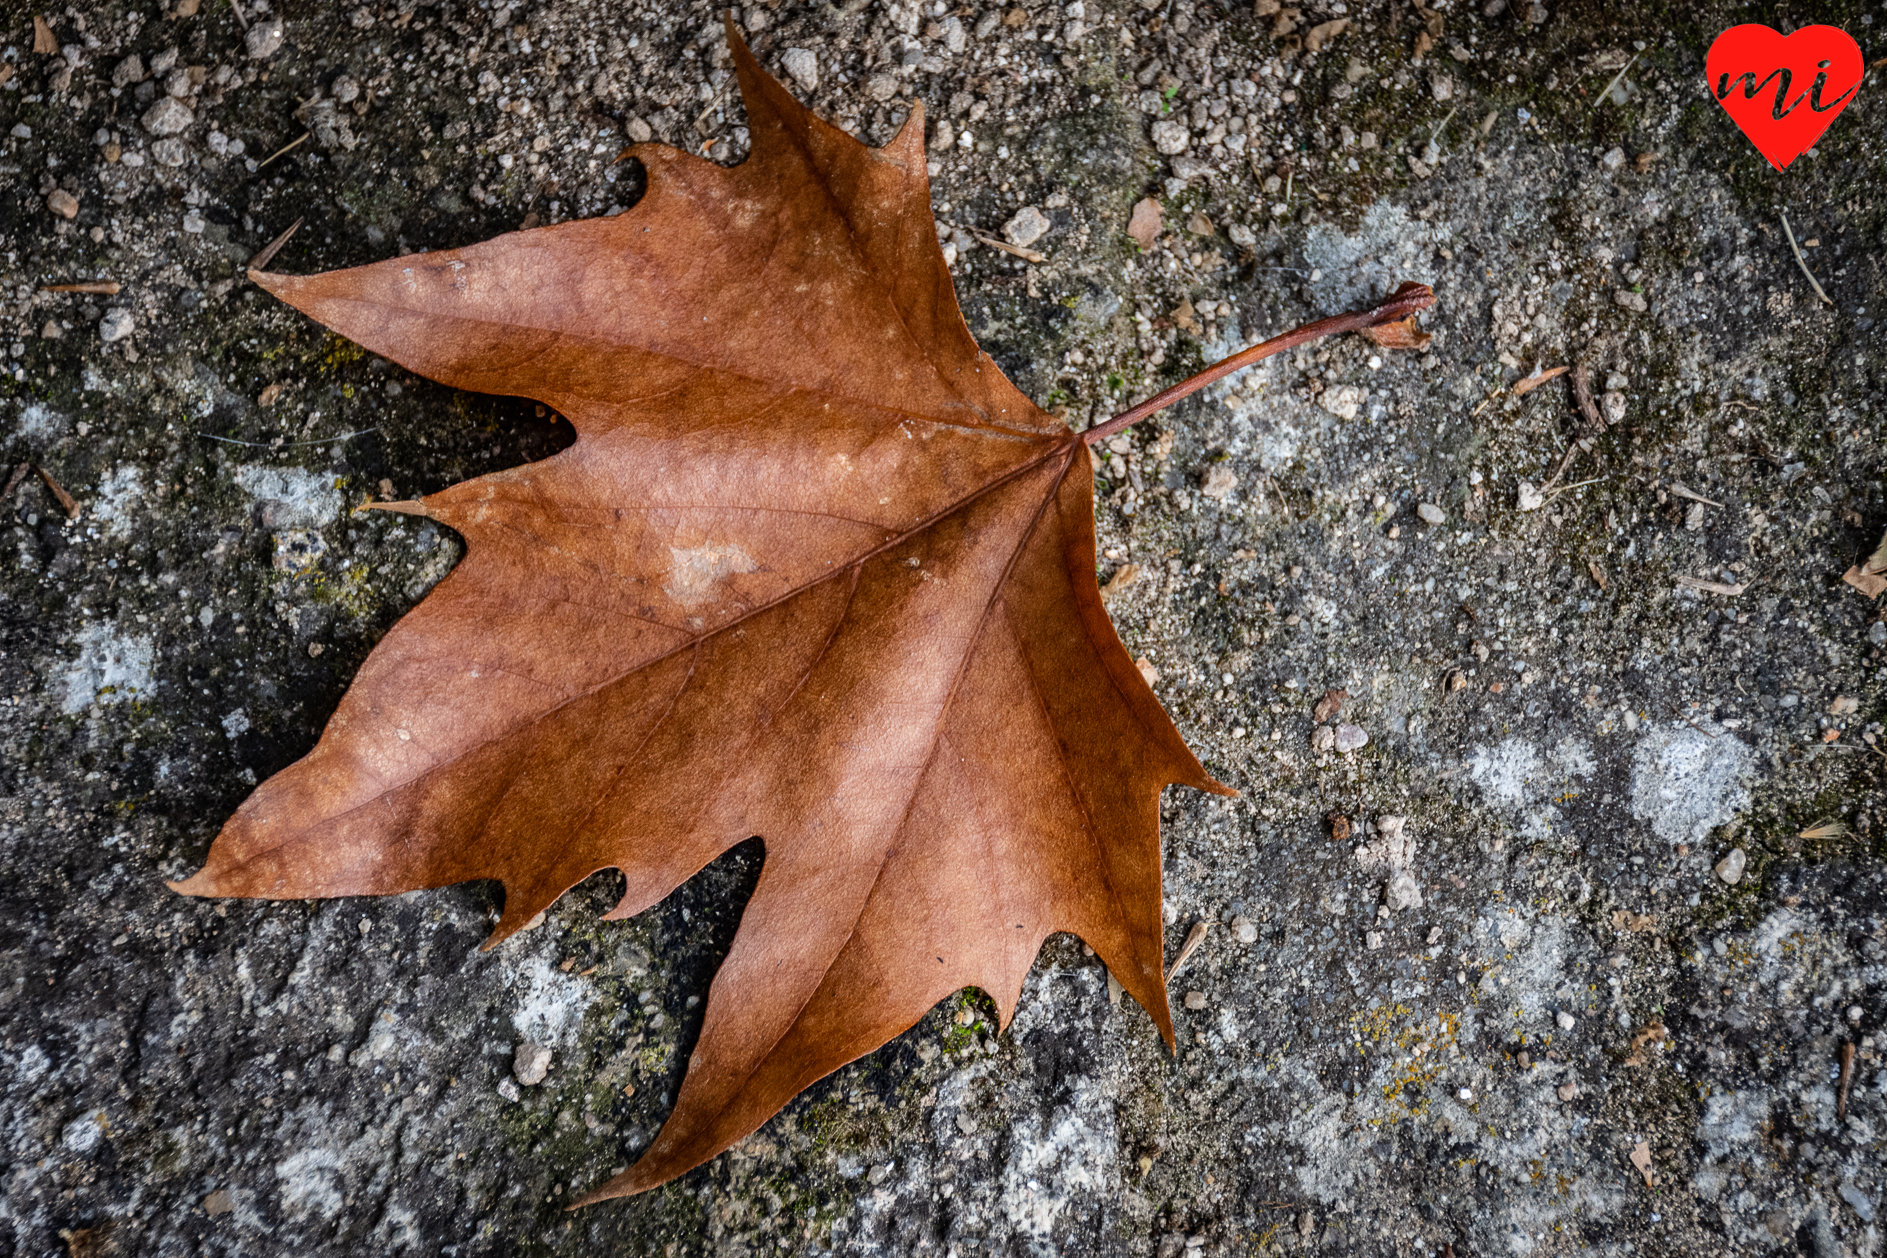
(265,37)
(1730,868)
(1565,1020)
(530,1063)
(116,325)
(1195,1000)
(1245,932)
(1349,737)
(1402,891)
(1567,1090)
(1171,137)
(1028,226)
(1431,513)
(1528,497)
(1614,404)
(508,1089)
(167,117)
(1323,738)
(62,203)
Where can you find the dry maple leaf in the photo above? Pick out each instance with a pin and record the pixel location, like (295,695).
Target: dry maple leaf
(814,571)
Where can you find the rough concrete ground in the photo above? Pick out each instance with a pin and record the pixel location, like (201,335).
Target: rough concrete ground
(1458,1032)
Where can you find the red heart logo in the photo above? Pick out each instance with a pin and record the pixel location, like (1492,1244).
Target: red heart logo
(1783,90)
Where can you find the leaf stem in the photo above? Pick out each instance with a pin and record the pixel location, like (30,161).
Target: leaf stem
(1406,301)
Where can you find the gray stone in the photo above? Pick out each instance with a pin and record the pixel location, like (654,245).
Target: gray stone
(1027,226)
(530,1063)
(265,36)
(1430,513)
(803,65)
(167,117)
(1171,136)
(116,325)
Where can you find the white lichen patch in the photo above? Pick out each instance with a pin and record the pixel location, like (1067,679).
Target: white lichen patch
(311,1183)
(111,667)
(115,506)
(39,422)
(291,496)
(1516,775)
(1686,782)
(551,1004)
(1388,250)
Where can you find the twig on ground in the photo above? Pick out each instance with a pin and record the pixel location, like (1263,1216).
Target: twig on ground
(1582,398)
(1847,1078)
(1712,587)
(287,445)
(1682,491)
(1196,937)
(1701,730)
(1803,262)
(66,502)
(1614,83)
(107,288)
(278,152)
(1027,255)
(1527,384)
(13,482)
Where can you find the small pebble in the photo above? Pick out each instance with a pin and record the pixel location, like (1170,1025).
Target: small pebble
(1171,137)
(218,1202)
(1566,1021)
(265,37)
(62,203)
(1323,738)
(1613,159)
(1350,737)
(1855,1013)
(1431,513)
(508,1089)
(116,325)
(1730,868)
(1567,1090)
(530,1063)
(1402,891)
(1245,932)
(1028,226)
(1195,1000)
(1466,1094)
(1528,497)
(167,117)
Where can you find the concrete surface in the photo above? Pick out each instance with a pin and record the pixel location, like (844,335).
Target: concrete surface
(1529,1019)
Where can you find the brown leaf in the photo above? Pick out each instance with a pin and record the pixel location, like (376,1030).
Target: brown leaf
(1327,707)
(1641,923)
(1127,576)
(1199,224)
(1868,583)
(44,41)
(1641,1158)
(1144,223)
(1650,1035)
(1877,562)
(1317,36)
(1398,334)
(814,570)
